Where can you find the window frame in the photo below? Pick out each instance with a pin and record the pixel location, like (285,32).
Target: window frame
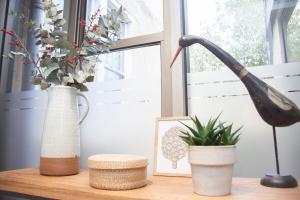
(162,38)
(277,22)
(4,16)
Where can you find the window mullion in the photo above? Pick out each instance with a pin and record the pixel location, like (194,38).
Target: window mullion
(173,28)
(138,41)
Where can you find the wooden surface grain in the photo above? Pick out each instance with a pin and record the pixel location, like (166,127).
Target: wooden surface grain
(29,182)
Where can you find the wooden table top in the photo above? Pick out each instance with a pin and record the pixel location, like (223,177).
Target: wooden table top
(29,182)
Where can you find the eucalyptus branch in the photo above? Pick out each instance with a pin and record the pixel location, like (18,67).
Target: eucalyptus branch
(88,29)
(29,54)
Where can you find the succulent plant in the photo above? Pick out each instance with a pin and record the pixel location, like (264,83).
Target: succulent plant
(211,134)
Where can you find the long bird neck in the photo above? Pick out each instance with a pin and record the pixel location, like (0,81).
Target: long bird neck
(275,108)
(226,58)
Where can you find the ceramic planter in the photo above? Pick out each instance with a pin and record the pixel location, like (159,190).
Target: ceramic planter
(212,169)
(60,149)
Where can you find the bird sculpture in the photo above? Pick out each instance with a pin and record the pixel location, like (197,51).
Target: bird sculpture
(274,108)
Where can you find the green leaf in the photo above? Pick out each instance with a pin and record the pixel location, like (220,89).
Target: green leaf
(198,125)
(18,53)
(197,141)
(49,40)
(90,79)
(10,56)
(43,32)
(36,80)
(44,85)
(38,35)
(59,22)
(51,12)
(187,140)
(60,34)
(52,77)
(45,62)
(92,49)
(62,63)
(38,42)
(60,74)
(36,31)
(67,79)
(31,24)
(59,12)
(50,68)
(83,52)
(120,11)
(81,87)
(62,43)
(185,133)
(102,22)
(193,131)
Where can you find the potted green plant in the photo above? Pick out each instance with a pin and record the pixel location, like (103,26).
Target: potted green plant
(63,67)
(212,154)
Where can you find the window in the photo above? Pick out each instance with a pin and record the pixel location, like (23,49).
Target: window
(38,15)
(15,74)
(255,32)
(143,16)
(293,35)
(12,71)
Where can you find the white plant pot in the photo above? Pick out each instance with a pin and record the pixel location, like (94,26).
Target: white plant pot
(212,169)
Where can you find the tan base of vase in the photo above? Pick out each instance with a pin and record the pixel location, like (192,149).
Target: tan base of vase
(59,166)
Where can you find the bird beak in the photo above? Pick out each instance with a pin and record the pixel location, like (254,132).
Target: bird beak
(176,54)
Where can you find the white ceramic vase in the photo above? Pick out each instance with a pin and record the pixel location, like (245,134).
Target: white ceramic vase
(212,169)
(60,149)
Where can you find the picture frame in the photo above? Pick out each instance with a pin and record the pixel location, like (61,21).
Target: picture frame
(165,164)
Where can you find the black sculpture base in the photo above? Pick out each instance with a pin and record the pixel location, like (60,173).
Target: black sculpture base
(278,181)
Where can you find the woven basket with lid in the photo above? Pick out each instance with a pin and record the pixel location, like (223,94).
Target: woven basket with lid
(117,171)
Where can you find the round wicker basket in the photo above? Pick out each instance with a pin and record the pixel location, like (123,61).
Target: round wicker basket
(117,171)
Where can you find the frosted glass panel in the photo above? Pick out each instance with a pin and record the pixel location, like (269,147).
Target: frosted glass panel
(129,64)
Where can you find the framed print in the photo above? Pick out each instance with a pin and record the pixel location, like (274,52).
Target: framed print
(170,151)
